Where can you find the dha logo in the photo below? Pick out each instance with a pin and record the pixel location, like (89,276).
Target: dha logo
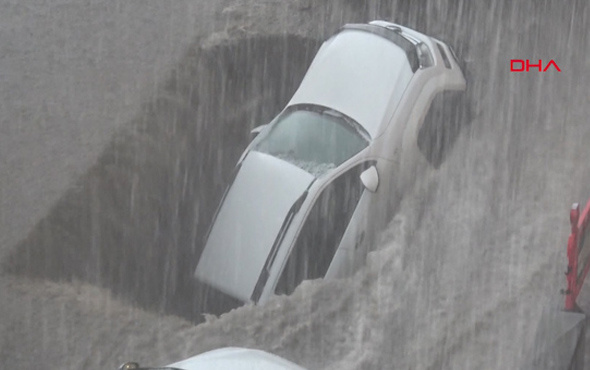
(519,65)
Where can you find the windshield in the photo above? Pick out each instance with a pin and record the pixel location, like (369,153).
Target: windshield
(314,139)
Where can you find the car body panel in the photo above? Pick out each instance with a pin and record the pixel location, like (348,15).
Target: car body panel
(263,191)
(233,358)
(358,74)
(284,249)
(346,257)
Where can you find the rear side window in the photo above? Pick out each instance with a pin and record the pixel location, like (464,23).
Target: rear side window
(444,56)
(322,231)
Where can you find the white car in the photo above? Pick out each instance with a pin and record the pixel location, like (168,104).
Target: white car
(230,358)
(313,188)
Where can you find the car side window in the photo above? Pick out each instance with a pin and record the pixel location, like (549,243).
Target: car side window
(322,231)
(441,125)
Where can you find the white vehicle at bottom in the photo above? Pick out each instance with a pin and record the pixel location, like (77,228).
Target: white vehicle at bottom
(229,358)
(312,189)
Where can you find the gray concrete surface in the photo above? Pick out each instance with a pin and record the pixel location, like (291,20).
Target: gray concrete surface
(71,73)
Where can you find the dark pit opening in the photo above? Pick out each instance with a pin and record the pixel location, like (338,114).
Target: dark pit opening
(135,222)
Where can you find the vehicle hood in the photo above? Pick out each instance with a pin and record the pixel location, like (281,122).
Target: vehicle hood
(236,359)
(248,222)
(359,74)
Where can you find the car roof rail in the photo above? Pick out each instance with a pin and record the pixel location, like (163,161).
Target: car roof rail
(393,34)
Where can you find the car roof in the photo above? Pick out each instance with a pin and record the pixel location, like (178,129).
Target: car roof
(358,73)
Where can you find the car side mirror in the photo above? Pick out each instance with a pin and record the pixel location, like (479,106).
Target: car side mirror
(370,179)
(256,130)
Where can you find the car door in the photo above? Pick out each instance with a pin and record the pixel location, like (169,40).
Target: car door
(321,235)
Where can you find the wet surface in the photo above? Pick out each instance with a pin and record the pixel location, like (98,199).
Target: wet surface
(458,280)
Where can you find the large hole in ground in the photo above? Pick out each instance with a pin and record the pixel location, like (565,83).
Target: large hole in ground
(135,223)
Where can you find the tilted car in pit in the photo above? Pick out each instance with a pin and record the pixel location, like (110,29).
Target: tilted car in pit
(315,185)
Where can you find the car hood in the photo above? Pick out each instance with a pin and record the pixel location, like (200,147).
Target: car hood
(248,222)
(232,358)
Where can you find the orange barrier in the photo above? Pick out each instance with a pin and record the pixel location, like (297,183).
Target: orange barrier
(578,254)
